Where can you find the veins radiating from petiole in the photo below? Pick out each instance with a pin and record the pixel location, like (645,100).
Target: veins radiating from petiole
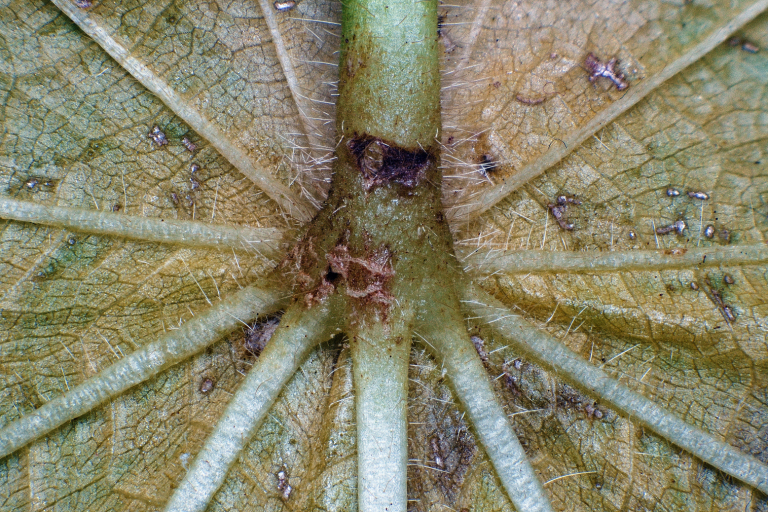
(264,241)
(140,365)
(546,351)
(449,339)
(511,262)
(470,208)
(296,206)
(300,331)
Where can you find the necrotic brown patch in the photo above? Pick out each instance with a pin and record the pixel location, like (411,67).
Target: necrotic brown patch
(381,162)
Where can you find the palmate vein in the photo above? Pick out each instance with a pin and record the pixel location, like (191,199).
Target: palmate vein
(548,352)
(296,206)
(265,241)
(487,198)
(512,262)
(139,366)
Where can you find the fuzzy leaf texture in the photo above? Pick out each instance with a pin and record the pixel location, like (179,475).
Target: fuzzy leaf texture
(253,88)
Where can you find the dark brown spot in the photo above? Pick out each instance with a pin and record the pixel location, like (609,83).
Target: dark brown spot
(559,209)
(381,162)
(487,165)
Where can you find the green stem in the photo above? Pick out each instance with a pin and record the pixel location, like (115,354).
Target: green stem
(139,366)
(389,72)
(300,331)
(550,353)
(380,367)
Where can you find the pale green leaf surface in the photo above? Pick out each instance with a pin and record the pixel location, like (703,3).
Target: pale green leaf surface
(72,116)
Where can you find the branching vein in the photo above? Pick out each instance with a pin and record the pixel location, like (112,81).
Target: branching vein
(139,366)
(549,353)
(634,95)
(285,197)
(299,331)
(512,262)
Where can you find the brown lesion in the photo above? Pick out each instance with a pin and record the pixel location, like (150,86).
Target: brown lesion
(363,275)
(381,162)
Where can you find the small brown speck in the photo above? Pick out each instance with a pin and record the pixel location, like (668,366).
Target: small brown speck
(698,195)
(728,279)
(283,485)
(529,101)
(207,385)
(750,47)
(678,227)
(479,344)
(694,286)
(487,165)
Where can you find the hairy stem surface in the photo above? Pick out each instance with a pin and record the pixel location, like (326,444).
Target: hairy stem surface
(380,365)
(300,330)
(550,353)
(139,366)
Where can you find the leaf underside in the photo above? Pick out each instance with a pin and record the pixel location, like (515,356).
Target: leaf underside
(72,302)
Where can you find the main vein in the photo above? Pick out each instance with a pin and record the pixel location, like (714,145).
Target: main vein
(512,262)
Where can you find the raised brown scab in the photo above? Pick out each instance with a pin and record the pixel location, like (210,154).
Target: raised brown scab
(363,275)
(381,162)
